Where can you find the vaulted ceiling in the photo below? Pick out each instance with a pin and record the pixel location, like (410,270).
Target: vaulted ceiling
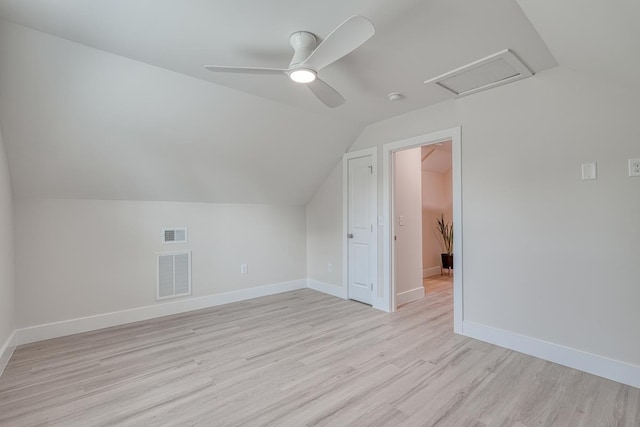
(601,38)
(109,98)
(437,157)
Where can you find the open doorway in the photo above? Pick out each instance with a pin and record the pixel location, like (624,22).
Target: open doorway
(423,218)
(401,284)
(437,218)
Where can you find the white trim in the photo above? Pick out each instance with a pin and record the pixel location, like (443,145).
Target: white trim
(432,271)
(614,370)
(410,295)
(327,288)
(458,287)
(6,351)
(373,152)
(454,135)
(106,320)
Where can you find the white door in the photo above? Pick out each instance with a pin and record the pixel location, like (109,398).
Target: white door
(360,228)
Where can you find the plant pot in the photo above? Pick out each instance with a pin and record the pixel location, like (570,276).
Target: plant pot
(447,260)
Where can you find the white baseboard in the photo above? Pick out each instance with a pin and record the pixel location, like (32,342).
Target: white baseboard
(327,288)
(614,370)
(408,296)
(106,320)
(432,271)
(6,351)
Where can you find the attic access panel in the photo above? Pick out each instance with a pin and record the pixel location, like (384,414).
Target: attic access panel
(494,70)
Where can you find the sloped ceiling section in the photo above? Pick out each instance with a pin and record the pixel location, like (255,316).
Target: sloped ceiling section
(437,158)
(82,123)
(601,38)
(109,99)
(415,40)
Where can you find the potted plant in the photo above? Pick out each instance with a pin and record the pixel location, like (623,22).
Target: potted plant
(446,233)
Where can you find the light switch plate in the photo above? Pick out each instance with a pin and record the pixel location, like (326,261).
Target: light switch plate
(634,167)
(589,171)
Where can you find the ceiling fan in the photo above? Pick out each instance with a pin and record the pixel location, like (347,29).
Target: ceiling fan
(309,59)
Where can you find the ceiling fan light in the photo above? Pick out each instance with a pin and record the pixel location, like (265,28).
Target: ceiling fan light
(302,75)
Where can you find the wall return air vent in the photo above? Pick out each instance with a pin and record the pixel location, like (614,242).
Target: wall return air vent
(494,70)
(174,275)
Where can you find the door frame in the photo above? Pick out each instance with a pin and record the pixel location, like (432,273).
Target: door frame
(388,300)
(373,252)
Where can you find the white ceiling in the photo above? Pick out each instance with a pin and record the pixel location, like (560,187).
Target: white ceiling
(81,123)
(594,36)
(437,158)
(415,40)
(108,99)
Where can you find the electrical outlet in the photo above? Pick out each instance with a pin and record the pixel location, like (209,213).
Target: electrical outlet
(634,167)
(329,268)
(244,269)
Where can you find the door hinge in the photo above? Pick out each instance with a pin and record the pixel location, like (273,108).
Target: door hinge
(372,287)
(371,169)
(372,228)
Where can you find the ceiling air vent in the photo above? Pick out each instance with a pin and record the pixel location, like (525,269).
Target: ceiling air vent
(494,70)
(174,235)
(174,275)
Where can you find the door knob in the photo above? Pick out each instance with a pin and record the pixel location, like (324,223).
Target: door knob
(350,236)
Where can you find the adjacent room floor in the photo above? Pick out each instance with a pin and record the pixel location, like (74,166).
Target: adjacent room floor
(440,283)
(301,358)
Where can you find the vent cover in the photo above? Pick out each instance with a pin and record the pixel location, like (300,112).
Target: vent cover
(494,70)
(174,235)
(174,275)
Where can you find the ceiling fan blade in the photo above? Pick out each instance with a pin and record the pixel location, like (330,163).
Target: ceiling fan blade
(344,39)
(245,70)
(325,93)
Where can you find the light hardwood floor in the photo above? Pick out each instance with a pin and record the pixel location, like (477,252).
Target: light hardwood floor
(301,358)
(438,283)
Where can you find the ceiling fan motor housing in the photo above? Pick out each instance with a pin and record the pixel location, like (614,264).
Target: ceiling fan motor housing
(303,43)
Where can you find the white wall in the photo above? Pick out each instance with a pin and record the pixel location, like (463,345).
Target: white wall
(407,197)
(324,231)
(79,258)
(6,252)
(437,201)
(546,255)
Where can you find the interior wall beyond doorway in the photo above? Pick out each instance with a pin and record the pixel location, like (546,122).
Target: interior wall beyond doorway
(437,201)
(407,217)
